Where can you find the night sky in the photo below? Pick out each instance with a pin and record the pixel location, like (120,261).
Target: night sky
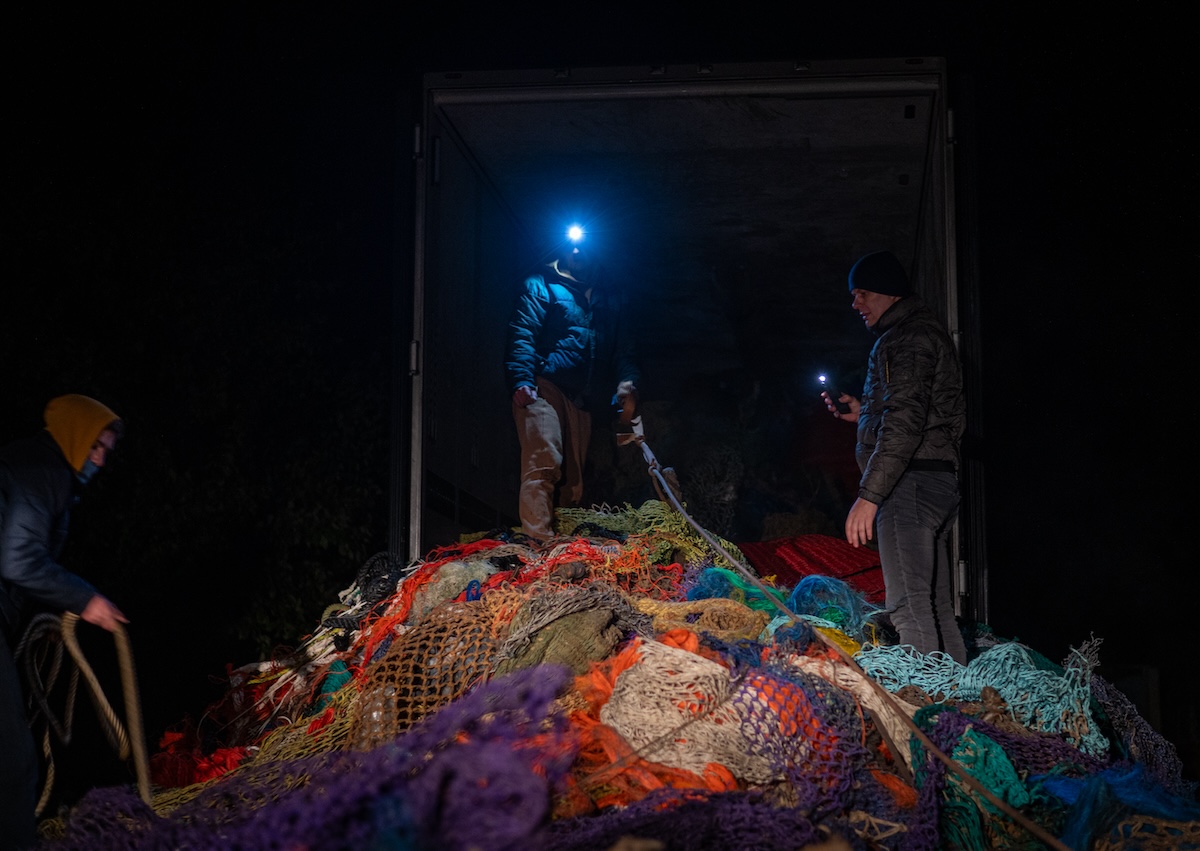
(206,214)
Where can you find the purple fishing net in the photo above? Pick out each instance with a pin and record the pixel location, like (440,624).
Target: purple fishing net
(454,780)
(1140,740)
(700,822)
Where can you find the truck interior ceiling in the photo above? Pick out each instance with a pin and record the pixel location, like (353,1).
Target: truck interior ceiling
(727,204)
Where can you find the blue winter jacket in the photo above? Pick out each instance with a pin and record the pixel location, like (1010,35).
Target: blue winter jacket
(582,346)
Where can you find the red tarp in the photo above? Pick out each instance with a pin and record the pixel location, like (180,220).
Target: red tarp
(791,559)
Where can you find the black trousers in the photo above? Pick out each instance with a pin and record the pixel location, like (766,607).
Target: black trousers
(18,761)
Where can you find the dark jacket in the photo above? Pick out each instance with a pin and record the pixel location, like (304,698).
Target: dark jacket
(913,413)
(37,492)
(581,346)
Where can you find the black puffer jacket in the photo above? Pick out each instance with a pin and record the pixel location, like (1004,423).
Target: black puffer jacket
(581,346)
(912,406)
(37,492)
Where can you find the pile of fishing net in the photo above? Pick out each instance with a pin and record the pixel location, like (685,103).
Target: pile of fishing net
(625,686)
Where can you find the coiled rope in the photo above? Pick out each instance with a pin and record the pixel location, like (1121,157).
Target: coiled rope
(126,738)
(670,494)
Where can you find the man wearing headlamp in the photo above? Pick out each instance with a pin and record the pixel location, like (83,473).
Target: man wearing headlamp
(567,348)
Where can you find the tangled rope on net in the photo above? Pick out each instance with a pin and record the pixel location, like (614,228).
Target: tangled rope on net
(946,763)
(687,722)
(674,539)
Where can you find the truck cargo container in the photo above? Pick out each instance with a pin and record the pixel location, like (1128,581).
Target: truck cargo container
(729,202)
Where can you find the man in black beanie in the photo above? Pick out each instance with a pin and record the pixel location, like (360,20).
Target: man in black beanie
(910,424)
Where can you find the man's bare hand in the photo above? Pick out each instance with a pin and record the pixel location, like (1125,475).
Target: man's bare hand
(845,399)
(103,613)
(525,396)
(860,522)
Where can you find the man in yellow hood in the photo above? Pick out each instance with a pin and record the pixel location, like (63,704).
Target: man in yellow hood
(41,479)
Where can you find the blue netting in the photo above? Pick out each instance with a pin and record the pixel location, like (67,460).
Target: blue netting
(831,600)
(1042,700)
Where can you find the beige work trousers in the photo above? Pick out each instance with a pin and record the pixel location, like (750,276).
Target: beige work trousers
(554,435)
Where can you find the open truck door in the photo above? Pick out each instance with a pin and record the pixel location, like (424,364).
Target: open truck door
(736,198)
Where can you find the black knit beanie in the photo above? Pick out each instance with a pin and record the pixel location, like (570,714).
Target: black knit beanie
(881,273)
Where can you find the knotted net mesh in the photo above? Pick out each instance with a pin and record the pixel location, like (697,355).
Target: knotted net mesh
(618,685)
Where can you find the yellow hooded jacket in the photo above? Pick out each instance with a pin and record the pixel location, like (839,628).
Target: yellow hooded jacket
(75,422)
(39,484)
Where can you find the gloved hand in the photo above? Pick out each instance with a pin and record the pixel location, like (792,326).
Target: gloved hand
(625,400)
(628,425)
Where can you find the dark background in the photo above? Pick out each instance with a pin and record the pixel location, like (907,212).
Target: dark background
(207,215)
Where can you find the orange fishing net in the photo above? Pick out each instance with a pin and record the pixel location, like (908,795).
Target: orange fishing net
(608,771)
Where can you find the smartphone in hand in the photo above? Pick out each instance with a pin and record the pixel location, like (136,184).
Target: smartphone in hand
(826,386)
